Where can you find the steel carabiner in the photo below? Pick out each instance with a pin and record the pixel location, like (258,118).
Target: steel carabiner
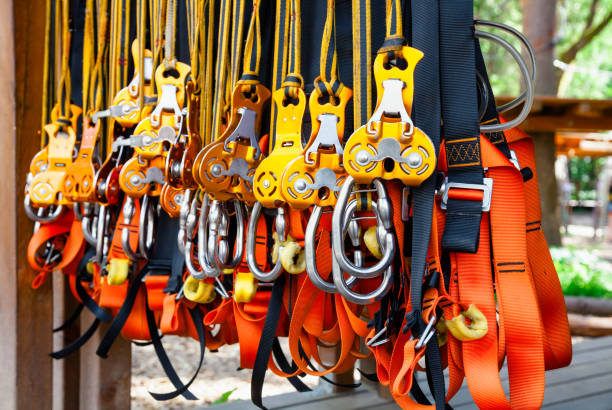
(147,227)
(250,249)
(311,262)
(340,227)
(221,251)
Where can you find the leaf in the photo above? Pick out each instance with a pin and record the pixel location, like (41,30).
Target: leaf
(224,397)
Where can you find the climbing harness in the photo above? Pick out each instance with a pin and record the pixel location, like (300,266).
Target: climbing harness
(238,171)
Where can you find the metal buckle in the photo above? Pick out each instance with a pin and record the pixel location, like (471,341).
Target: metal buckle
(486,187)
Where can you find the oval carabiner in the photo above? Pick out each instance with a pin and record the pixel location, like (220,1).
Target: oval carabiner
(190,223)
(529,92)
(103,235)
(129,209)
(530,51)
(309,250)
(87,226)
(210,270)
(250,249)
(147,227)
(344,286)
(184,213)
(221,251)
(342,213)
(39,214)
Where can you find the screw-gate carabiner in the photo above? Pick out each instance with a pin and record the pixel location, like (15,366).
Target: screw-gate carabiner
(38,215)
(250,249)
(88,225)
(209,269)
(221,251)
(147,227)
(309,250)
(339,228)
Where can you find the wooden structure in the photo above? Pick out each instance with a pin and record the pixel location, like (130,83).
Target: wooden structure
(585,384)
(29,378)
(566,114)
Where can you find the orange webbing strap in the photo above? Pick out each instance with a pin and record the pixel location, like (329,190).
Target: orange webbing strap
(480,357)
(113,296)
(250,317)
(557,339)
(223,316)
(175,318)
(72,251)
(454,351)
(304,302)
(515,289)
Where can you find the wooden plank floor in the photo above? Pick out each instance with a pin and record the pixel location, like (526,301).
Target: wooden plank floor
(585,384)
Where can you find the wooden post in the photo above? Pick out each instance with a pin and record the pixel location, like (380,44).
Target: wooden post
(25,314)
(539,25)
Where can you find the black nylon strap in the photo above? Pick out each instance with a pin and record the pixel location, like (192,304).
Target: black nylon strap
(73,317)
(460,116)
(181,389)
(76,345)
(124,312)
(91,304)
(426,113)
(264,349)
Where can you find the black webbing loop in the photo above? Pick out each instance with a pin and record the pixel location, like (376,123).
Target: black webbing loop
(426,115)
(76,345)
(124,312)
(461,122)
(266,347)
(181,389)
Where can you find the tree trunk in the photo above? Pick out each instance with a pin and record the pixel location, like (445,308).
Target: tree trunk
(539,25)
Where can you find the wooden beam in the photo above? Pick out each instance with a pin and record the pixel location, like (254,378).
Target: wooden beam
(8,241)
(565,114)
(26,315)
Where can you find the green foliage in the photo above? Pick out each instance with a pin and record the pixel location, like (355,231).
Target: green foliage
(224,397)
(582,273)
(593,65)
(583,174)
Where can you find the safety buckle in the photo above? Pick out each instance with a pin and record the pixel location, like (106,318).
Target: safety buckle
(486,187)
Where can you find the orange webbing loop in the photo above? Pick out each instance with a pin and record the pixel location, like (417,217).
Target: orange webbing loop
(175,318)
(557,339)
(515,290)
(520,326)
(136,326)
(72,251)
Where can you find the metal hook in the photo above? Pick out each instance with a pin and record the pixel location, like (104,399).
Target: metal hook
(129,210)
(210,270)
(87,226)
(38,215)
(184,213)
(147,227)
(530,52)
(311,262)
(489,128)
(222,250)
(103,235)
(250,249)
(340,226)
(190,224)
